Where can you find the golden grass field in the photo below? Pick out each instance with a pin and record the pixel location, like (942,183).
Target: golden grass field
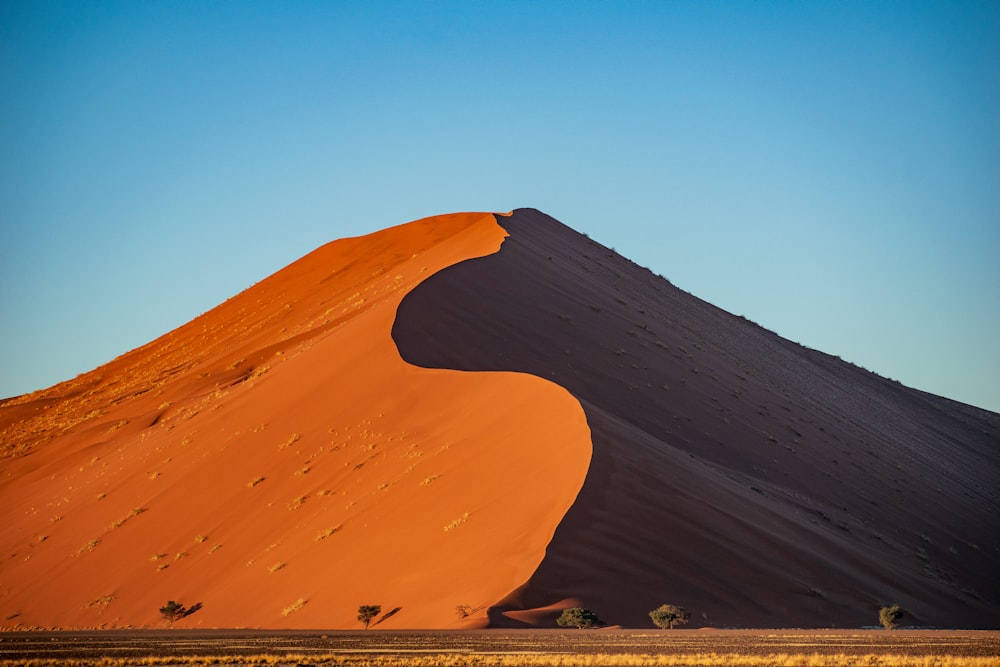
(519,660)
(532,648)
(531,660)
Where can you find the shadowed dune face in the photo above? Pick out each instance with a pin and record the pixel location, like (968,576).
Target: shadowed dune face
(276,461)
(753,481)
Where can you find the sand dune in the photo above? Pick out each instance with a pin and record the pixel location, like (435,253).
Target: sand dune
(754,481)
(318,442)
(276,461)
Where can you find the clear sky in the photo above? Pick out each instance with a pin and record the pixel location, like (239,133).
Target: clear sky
(830,170)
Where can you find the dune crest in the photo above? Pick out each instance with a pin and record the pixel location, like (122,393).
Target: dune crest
(276,462)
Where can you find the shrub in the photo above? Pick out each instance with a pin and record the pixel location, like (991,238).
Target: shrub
(669,615)
(173,611)
(367,613)
(578,617)
(889,616)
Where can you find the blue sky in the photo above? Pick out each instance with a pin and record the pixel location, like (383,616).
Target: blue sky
(830,170)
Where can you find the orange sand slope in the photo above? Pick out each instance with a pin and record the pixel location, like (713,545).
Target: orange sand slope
(754,481)
(276,462)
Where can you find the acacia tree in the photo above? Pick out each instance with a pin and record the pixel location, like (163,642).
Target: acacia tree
(669,615)
(367,613)
(173,611)
(578,617)
(889,616)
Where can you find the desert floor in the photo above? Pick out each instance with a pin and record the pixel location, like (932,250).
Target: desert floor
(522,648)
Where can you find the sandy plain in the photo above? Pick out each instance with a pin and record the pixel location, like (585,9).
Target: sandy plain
(523,648)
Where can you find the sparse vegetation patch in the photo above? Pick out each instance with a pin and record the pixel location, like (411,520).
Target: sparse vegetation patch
(456,522)
(172,611)
(668,615)
(889,616)
(499,648)
(327,532)
(578,617)
(102,602)
(368,612)
(294,607)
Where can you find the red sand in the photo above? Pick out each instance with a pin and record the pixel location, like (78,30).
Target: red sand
(277,462)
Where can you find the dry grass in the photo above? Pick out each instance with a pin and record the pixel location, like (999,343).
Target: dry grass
(135,512)
(294,607)
(117,425)
(89,546)
(457,522)
(102,602)
(257,372)
(327,532)
(532,660)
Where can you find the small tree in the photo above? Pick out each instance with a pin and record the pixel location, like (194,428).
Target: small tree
(889,616)
(367,612)
(669,615)
(173,611)
(577,617)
